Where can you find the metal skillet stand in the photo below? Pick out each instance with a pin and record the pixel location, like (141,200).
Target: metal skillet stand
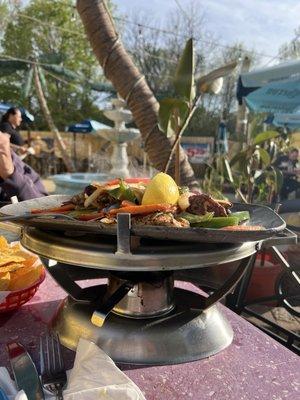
(139,317)
(237,300)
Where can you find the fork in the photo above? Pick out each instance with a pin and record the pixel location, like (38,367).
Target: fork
(53,374)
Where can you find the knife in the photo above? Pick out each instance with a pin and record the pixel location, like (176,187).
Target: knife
(24,371)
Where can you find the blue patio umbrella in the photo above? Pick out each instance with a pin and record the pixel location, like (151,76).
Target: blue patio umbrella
(291,121)
(276,97)
(275,89)
(85,126)
(222,139)
(26,115)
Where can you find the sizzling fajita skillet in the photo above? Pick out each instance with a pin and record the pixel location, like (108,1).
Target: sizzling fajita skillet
(264,216)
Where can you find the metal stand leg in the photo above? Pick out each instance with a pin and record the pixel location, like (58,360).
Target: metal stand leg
(59,273)
(236,301)
(228,285)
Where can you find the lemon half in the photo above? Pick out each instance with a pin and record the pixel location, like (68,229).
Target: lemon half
(162,189)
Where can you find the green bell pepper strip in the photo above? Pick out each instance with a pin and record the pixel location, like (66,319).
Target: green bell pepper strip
(123,192)
(193,218)
(217,222)
(241,215)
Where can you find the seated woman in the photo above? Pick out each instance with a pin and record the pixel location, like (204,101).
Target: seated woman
(288,164)
(10,121)
(16,177)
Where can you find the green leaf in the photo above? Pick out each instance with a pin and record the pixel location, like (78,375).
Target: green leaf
(28,83)
(264,136)
(238,157)
(123,192)
(184,77)
(206,82)
(228,170)
(278,179)
(169,110)
(42,79)
(8,67)
(264,156)
(63,72)
(272,150)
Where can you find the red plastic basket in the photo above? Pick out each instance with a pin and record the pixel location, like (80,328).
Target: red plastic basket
(19,297)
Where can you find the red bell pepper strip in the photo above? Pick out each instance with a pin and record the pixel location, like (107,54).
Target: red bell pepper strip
(127,203)
(143,209)
(89,217)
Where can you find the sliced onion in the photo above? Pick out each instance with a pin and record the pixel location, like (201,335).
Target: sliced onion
(89,200)
(183,201)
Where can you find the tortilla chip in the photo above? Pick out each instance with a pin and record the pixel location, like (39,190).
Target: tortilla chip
(18,267)
(30,261)
(10,259)
(4,281)
(25,277)
(22,253)
(3,244)
(11,267)
(15,247)
(19,272)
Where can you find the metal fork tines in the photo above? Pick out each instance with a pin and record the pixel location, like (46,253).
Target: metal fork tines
(53,374)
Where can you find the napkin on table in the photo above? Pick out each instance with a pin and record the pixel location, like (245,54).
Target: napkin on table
(93,377)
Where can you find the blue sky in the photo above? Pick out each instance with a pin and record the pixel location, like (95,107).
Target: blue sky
(261,24)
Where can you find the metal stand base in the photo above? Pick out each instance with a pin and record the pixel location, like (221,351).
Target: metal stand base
(185,334)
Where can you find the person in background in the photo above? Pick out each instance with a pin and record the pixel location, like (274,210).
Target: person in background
(10,121)
(16,177)
(288,164)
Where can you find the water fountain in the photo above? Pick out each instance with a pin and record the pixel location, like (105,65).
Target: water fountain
(119,136)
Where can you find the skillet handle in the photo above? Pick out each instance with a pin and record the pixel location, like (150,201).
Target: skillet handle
(103,310)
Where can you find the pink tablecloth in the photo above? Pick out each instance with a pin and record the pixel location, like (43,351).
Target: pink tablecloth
(253,367)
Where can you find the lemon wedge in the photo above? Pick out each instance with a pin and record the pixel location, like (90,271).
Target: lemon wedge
(162,189)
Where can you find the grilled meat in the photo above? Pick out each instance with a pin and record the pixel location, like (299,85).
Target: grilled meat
(105,200)
(78,199)
(89,190)
(161,219)
(202,203)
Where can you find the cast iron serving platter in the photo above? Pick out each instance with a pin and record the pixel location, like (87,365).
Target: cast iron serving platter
(259,215)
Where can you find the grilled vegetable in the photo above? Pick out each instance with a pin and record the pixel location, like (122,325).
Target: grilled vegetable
(218,222)
(128,180)
(183,201)
(123,192)
(89,217)
(143,210)
(194,219)
(241,215)
(127,203)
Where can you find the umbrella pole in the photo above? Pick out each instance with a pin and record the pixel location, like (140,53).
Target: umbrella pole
(242,112)
(89,155)
(74,150)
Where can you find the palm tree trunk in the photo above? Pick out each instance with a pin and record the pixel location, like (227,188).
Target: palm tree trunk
(44,107)
(119,68)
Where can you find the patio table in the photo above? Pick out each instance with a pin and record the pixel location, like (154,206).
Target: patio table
(253,367)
